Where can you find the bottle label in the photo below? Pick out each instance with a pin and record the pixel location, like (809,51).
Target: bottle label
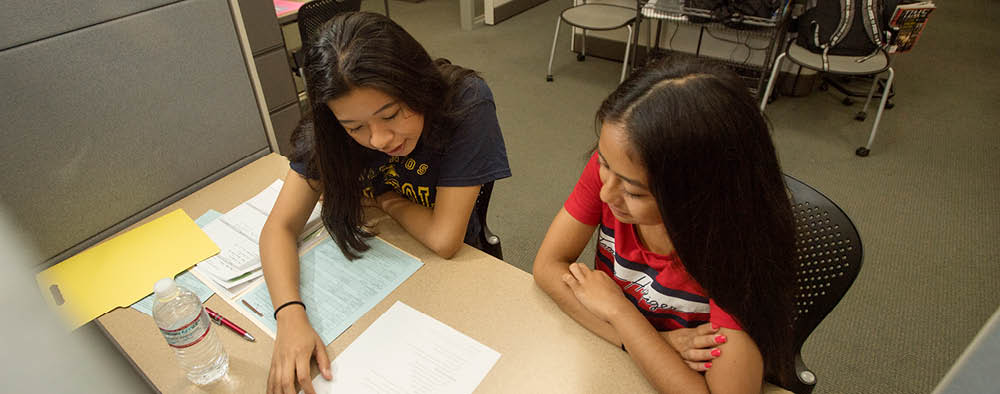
(188,334)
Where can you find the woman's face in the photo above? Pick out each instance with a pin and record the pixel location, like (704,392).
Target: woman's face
(378,121)
(625,189)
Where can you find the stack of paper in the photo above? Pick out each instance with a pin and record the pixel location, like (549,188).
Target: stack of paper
(406,351)
(237,232)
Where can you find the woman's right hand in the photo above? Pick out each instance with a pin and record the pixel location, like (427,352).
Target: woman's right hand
(295,345)
(696,346)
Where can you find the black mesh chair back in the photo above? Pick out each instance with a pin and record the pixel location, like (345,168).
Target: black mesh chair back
(829,254)
(490,242)
(314,14)
(311,16)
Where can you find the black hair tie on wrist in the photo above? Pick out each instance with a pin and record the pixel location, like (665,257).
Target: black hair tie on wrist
(287,304)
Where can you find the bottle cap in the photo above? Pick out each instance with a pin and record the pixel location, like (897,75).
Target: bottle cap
(164,287)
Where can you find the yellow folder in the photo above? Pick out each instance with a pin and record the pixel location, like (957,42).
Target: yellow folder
(122,270)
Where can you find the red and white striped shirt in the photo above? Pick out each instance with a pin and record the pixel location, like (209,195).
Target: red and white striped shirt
(656,284)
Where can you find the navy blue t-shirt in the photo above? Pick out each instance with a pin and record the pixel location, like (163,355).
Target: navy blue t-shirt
(474,155)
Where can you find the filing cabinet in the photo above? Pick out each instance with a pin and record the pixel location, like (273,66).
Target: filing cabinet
(268,47)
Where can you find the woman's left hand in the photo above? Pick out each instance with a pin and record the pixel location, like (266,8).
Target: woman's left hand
(596,291)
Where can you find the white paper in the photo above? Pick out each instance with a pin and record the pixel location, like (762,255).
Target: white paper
(406,351)
(247,220)
(237,253)
(264,200)
(221,290)
(239,280)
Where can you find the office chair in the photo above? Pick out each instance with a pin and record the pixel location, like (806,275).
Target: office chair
(488,242)
(829,254)
(314,14)
(842,65)
(595,16)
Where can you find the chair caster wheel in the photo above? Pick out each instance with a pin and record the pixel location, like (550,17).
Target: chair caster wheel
(548,78)
(824,87)
(860,117)
(889,105)
(847,101)
(581,57)
(862,151)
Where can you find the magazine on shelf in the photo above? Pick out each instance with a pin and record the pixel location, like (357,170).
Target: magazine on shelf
(908,22)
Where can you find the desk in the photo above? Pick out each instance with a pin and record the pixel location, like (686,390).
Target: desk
(542,350)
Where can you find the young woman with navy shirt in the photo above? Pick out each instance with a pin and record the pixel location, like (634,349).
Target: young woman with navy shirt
(389,127)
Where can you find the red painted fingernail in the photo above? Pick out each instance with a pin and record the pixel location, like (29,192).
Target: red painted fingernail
(720,339)
(715,326)
(708,365)
(716,352)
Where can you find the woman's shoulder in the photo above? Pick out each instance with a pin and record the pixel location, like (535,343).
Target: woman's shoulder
(473,89)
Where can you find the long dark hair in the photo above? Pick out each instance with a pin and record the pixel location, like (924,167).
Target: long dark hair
(715,176)
(362,49)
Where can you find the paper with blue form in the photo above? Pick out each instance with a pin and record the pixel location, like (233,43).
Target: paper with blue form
(336,291)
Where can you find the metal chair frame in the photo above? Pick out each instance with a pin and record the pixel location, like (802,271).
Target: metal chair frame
(860,116)
(596,7)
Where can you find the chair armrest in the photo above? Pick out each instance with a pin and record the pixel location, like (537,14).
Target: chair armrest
(298,58)
(806,379)
(491,238)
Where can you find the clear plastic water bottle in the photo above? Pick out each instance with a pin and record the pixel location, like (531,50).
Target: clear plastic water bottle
(185,325)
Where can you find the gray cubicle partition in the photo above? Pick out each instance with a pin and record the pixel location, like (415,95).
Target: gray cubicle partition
(111,111)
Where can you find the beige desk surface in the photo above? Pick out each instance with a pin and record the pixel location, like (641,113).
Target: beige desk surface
(542,350)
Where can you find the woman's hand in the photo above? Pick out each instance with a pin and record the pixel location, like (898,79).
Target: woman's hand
(295,345)
(696,346)
(596,291)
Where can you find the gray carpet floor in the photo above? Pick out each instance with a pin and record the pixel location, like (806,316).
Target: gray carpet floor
(926,200)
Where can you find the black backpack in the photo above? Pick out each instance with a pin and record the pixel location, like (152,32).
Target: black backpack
(845,27)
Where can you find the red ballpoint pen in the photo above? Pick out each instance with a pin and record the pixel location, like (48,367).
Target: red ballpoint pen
(217,318)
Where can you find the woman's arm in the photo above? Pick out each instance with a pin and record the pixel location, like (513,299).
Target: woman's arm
(296,342)
(279,252)
(738,370)
(562,245)
(442,229)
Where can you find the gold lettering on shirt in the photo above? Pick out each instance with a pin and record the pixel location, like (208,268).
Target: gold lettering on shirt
(407,190)
(422,169)
(389,170)
(424,193)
